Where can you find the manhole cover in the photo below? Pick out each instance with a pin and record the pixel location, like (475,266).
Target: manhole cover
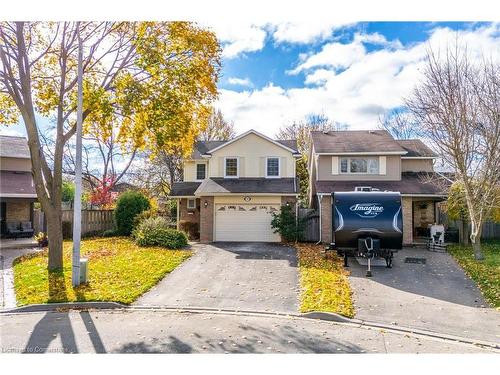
(415,260)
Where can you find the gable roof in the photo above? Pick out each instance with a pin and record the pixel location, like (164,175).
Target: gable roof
(355,141)
(207,147)
(416,148)
(14,147)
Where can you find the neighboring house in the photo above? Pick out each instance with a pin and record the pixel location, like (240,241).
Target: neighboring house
(231,188)
(17,191)
(373,159)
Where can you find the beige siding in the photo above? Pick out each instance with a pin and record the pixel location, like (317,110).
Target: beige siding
(190,169)
(15,164)
(393,170)
(417,165)
(252,151)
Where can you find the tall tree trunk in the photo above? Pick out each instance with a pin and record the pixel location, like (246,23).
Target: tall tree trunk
(55,236)
(475,238)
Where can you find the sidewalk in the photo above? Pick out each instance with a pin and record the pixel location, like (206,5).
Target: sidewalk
(7,256)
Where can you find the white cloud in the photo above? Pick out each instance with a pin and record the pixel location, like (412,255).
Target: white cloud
(240,81)
(335,55)
(238,38)
(371,83)
(304,32)
(319,76)
(12,130)
(376,38)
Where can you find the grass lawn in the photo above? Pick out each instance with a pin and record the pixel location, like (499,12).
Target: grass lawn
(119,271)
(324,282)
(485,273)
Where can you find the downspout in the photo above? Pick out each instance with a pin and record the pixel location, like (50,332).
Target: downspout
(319,208)
(178,213)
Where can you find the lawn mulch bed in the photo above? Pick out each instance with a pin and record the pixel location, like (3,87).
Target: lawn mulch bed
(324,282)
(119,271)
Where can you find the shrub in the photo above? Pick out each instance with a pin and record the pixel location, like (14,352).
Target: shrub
(155,232)
(144,215)
(192,229)
(128,205)
(109,233)
(286,224)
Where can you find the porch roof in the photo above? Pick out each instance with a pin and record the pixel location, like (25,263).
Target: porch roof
(184,189)
(16,185)
(411,183)
(248,185)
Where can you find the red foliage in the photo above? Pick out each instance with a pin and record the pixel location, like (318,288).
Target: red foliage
(102,195)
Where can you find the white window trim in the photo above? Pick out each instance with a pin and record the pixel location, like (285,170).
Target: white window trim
(237,166)
(279,166)
(189,207)
(196,171)
(358,173)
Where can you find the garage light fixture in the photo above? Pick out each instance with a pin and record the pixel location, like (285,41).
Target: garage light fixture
(205,204)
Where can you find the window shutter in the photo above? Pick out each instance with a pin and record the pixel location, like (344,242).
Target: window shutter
(262,166)
(222,168)
(283,165)
(335,165)
(241,166)
(382,165)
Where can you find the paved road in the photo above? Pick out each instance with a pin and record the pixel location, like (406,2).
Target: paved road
(150,331)
(436,296)
(244,276)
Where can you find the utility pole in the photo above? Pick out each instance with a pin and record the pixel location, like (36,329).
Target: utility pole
(77,210)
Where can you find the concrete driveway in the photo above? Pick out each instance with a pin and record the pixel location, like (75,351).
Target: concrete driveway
(242,276)
(436,296)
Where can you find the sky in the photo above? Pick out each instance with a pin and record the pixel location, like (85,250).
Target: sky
(276,73)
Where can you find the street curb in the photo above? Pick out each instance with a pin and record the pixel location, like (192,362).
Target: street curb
(313,315)
(390,327)
(64,306)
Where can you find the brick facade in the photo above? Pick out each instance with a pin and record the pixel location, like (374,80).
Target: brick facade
(407,203)
(188,215)
(326,219)
(18,211)
(206,219)
(290,200)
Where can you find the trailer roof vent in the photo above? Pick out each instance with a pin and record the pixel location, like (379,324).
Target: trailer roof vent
(363,188)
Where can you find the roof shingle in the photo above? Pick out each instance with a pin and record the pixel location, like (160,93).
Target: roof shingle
(354,141)
(416,148)
(14,147)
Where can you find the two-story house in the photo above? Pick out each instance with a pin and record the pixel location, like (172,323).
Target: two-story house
(231,188)
(373,159)
(17,191)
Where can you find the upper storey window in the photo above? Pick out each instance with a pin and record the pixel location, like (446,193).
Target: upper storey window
(359,165)
(201,171)
(231,167)
(273,167)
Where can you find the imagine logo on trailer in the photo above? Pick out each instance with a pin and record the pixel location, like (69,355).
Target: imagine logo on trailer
(367,210)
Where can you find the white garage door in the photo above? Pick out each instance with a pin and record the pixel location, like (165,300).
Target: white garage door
(245,222)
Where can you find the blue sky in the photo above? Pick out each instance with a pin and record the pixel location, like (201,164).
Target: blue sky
(274,74)
(277,73)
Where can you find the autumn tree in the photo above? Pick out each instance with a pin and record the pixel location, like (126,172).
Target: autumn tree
(153,82)
(160,172)
(300,131)
(217,128)
(457,104)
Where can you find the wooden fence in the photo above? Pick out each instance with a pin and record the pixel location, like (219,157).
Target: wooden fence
(311,225)
(490,230)
(93,221)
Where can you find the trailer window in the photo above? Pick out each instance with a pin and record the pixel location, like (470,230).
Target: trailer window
(359,165)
